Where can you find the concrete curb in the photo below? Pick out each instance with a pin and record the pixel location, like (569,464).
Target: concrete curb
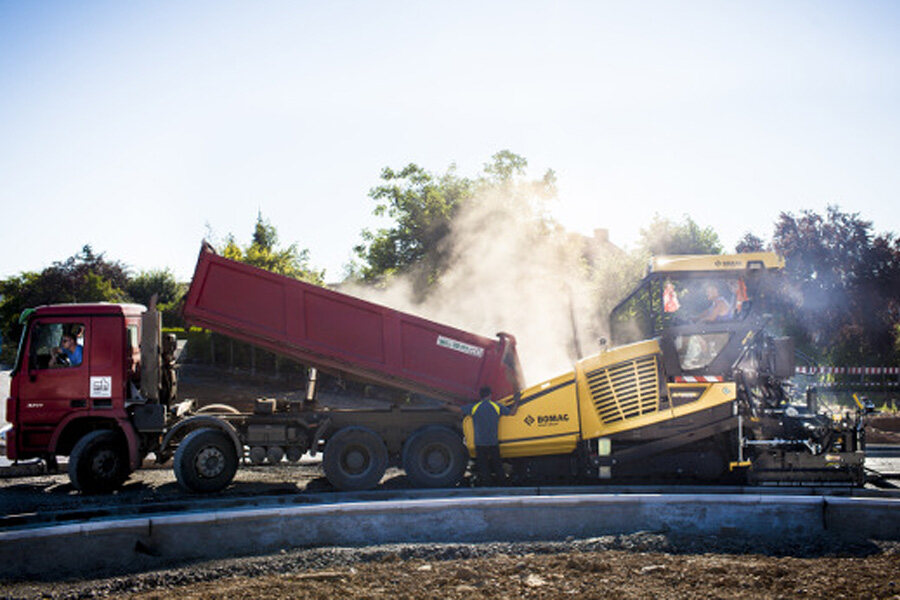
(145,542)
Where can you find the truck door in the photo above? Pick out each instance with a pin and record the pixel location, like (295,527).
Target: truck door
(107,369)
(55,378)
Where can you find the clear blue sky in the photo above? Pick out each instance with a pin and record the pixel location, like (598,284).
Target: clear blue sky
(131,126)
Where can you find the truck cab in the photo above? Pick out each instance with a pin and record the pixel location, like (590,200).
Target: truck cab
(84,407)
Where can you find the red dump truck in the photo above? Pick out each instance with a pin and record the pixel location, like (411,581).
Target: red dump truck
(114,403)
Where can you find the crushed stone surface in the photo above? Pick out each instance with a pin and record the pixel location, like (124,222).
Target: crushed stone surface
(639,565)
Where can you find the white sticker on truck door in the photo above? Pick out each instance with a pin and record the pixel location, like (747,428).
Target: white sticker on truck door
(101,387)
(459,346)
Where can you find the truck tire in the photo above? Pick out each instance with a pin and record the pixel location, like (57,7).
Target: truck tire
(205,461)
(435,457)
(355,459)
(99,462)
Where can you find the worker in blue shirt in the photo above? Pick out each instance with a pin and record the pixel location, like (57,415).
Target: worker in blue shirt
(485,419)
(70,348)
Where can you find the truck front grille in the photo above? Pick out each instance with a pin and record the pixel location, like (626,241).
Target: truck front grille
(625,390)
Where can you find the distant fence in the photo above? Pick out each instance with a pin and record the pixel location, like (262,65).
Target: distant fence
(848,377)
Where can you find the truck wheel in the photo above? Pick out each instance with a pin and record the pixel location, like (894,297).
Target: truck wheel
(205,461)
(355,459)
(99,462)
(435,457)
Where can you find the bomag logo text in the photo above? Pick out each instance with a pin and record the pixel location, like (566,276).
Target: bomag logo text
(544,420)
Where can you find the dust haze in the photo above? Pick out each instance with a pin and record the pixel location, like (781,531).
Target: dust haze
(511,270)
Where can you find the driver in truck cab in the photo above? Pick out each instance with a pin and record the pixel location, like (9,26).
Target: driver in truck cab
(68,348)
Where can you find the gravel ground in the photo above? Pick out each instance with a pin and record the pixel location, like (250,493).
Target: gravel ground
(23,495)
(640,565)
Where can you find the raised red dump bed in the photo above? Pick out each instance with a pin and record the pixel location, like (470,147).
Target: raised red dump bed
(337,332)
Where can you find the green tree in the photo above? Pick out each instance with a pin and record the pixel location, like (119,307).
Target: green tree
(750,243)
(422,207)
(83,277)
(663,236)
(504,167)
(161,282)
(844,280)
(170,294)
(263,252)
(505,174)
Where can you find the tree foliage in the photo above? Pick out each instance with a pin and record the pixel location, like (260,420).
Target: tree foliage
(844,280)
(504,167)
(161,282)
(169,294)
(263,252)
(422,207)
(663,236)
(750,243)
(83,277)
